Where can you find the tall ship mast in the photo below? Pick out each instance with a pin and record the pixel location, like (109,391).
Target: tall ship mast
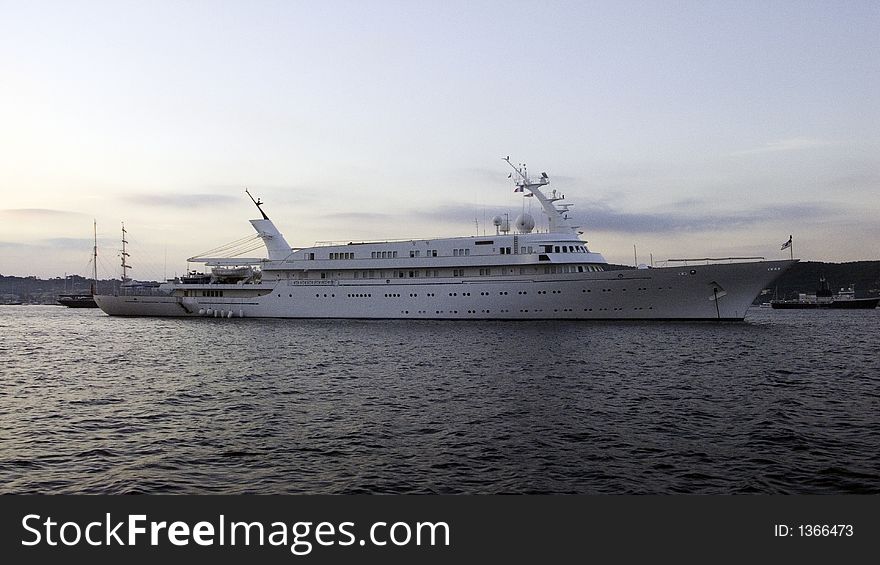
(95,258)
(124,255)
(517,274)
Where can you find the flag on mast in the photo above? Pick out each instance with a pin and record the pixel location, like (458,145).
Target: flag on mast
(786,245)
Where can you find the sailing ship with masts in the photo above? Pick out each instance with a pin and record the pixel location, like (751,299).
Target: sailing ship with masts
(85,300)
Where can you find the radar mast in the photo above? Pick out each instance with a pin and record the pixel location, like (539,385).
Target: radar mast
(559,219)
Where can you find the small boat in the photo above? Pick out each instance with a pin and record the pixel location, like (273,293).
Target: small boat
(84,300)
(77,300)
(825,299)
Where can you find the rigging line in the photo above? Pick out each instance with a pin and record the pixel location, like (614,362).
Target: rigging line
(243,248)
(233,250)
(231,244)
(88,266)
(229,250)
(242,252)
(243,241)
(237,241)
(106,269)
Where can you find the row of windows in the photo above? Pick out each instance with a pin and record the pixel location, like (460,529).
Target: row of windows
(623,289)
(428,294)
(564,249)
(215,293)
(431,294)
(316,296)
(455,252)
(557,269)
(483,272)
(537,310)
(396,274)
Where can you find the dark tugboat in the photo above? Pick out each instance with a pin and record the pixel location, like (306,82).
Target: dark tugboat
(824,298)
(82,300)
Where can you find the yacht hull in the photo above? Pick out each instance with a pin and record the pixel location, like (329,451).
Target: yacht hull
(697,292)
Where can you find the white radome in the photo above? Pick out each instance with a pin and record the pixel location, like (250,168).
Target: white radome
(525,223)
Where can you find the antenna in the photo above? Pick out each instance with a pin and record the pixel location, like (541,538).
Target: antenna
(558,217)
(523,173)
(519,170)
(258,203)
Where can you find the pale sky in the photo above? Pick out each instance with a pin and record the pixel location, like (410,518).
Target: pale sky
(690,129)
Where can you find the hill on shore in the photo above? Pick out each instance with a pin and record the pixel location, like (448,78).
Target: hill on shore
(864,276)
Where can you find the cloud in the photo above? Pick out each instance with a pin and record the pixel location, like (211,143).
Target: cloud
(460,213)
(602,217)
(789,144)
(683,216)
(38,213)
(181,200)
(272,194)
(475,174)
(856,181)
(480,174)
(360,216)
(76,243)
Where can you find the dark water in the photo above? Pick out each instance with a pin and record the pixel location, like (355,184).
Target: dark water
(787,402)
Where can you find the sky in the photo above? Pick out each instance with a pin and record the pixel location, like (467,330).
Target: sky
(687,129)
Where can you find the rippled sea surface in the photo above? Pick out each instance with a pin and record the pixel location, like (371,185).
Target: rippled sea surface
(786,402)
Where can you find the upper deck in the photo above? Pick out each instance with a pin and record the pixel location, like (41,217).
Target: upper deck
(561,243)
(497,250)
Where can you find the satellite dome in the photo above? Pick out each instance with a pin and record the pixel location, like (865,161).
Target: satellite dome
(525,223)
(497,221)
